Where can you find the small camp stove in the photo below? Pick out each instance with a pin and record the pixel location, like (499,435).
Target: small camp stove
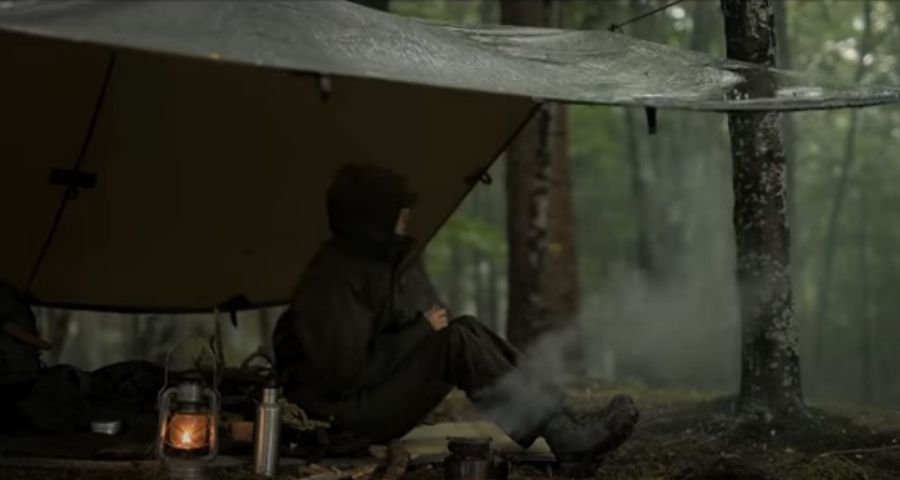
(471,459)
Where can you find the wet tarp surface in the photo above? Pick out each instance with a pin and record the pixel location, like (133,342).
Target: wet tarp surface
(214,128)
(341,38)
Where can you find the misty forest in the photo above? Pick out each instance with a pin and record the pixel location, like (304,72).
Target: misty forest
(733,273)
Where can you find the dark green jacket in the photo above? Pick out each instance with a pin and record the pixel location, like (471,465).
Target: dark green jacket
(343,332)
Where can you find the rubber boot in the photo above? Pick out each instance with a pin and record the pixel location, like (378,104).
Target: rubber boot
(578,439)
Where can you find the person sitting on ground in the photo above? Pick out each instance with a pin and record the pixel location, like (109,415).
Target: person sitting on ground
(344,351)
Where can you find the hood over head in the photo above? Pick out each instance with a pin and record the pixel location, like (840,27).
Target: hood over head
(364,203)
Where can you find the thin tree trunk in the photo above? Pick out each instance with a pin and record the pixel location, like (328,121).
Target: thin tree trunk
(476,256)
(492,300)
(457,281)
(478,286)
(865,311)
(560,276)
(543,293)
(770,364)
(527,186)
(831,236)
(703,34)
(643,251)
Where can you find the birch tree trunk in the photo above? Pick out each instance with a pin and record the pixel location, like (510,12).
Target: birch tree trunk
(543,291)
(770,365)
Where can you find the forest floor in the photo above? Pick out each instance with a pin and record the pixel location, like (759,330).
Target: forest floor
(688,435)
(682,435)
(691,435)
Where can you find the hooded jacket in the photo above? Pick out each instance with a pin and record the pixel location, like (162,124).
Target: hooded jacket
(342,332)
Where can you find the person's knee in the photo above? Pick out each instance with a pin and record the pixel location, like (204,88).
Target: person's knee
(455,334)
(466,321)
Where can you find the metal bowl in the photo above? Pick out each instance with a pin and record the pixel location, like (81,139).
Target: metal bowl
(107,427)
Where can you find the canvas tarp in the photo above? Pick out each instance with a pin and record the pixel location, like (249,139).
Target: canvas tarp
(213,129)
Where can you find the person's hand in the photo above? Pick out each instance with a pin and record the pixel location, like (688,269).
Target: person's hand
(437,318)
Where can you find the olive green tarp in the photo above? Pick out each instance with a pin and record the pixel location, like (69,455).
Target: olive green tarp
(213,129)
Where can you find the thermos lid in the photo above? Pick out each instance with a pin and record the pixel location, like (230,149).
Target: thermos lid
(469,446)
(270,394)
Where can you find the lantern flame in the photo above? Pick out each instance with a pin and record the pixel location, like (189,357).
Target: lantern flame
(188,431)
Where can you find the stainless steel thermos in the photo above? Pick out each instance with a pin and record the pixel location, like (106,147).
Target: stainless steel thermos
(268,433)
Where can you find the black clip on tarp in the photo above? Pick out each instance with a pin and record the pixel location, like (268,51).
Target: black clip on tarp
(233,304)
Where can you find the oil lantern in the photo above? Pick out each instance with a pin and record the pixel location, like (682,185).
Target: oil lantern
(187,439)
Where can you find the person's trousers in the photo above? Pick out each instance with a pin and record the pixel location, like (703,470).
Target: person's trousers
(465,355)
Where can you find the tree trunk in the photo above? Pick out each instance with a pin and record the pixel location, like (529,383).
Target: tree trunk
(478,284)
(456,285)
(543,292)
(477,257)
(831,236)
(492,297)
(703,34)
(866,335)
(770,366)
(643,250)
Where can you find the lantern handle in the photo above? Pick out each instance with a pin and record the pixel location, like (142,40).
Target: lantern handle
(203,347)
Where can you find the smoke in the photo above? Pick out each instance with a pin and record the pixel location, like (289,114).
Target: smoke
(527,396)
(681,331)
